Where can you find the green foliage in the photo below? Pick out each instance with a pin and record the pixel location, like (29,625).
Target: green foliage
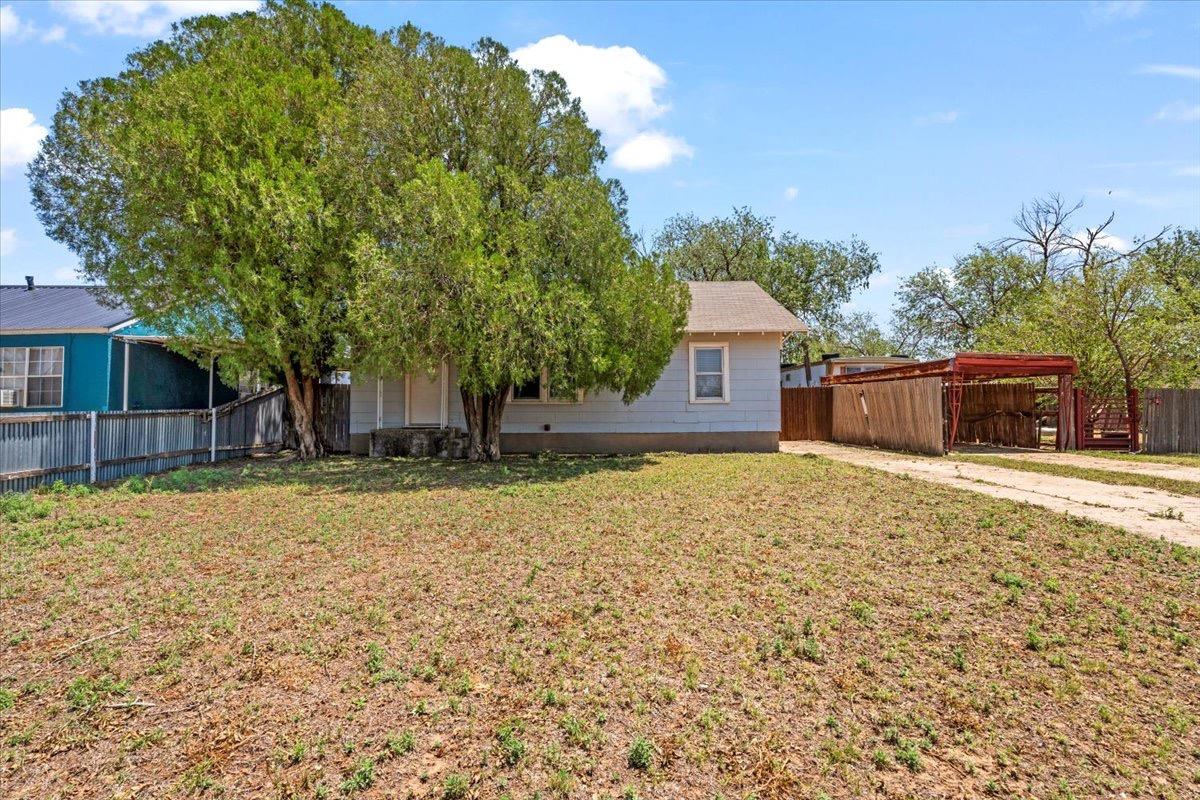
(641,753)
(196,185)
(487,237)
(23,507)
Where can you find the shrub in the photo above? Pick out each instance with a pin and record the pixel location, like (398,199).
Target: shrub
(641,753)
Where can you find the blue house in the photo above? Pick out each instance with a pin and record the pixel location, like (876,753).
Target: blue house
(61,349)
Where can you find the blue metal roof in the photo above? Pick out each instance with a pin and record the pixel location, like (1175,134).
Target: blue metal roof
(57,308)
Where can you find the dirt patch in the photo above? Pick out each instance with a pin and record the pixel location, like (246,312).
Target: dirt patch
(1149,512)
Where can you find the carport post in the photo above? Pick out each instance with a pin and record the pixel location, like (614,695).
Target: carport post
(954,390)
(1065,437)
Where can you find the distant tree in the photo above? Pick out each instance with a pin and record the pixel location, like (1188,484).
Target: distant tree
(488,238)
(196,185)
(1127,329)
(859,334)
(810,278)
(945,309)
(1175,261)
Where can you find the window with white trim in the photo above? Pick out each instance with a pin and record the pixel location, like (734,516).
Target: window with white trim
(539,390)
(33,374)
(709,380)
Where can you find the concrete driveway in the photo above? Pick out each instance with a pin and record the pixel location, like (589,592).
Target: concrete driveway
(1150,512)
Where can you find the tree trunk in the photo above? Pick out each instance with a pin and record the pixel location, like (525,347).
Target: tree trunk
(302,403)
(807,362)
(483,413)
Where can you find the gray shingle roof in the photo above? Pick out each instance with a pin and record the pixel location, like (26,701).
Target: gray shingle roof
(737,307)
(56,308)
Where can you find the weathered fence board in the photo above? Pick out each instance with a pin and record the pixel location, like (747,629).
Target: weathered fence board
(998,413)
(897,415)
(335,417)
(1172,419)
(806,414)
(43,448)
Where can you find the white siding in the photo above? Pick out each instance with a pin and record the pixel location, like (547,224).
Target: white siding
(753,399)
(363,404)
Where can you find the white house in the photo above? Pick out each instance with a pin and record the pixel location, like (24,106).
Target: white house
(719,392)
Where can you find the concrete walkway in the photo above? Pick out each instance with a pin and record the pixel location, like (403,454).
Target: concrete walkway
(1149,512)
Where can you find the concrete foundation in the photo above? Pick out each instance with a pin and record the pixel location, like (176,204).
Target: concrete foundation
(429,442)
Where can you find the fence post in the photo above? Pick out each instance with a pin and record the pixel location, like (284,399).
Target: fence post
(93,439)
(212,424)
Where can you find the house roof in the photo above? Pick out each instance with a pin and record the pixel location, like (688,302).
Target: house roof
(737,307)
(57,308)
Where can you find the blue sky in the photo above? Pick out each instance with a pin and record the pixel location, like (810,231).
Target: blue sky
(920,128)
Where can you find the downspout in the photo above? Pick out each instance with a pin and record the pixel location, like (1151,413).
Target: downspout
(125,380)
(212,360)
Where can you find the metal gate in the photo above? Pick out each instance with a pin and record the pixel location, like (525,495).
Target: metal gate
(1106,423)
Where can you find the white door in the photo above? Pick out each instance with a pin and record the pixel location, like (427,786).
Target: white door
(424,401)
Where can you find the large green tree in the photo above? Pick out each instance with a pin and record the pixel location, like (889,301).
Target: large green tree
(810,278)
(487,238)
(196,185)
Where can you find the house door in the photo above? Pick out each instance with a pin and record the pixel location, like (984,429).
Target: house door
(424,404)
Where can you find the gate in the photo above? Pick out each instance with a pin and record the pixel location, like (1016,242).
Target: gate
(1106,423)
(896,415)
(806,414)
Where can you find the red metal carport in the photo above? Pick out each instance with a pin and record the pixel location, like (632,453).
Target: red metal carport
(962,368)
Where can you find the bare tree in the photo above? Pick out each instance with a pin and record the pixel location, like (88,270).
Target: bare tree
(1042,228)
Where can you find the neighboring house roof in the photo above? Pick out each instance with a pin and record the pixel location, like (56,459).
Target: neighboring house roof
(45,309)
(737,307)
(869,360)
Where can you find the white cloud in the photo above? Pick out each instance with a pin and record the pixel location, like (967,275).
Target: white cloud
(1174,70)
(1114,10)
(1105,240)
(938,118)
(8,241)
(650,150)
(619,89)
(145,18)
(15,28)
(20,136)
(66,275)
(1191,171)
(790,193)
(1179,111)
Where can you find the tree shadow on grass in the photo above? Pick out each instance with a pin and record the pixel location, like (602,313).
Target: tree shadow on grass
(357,474)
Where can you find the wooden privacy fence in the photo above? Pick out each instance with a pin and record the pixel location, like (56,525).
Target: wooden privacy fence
(1172,420)
(86,447)
(897,415)
(806,413)
(998,413)
(335,416)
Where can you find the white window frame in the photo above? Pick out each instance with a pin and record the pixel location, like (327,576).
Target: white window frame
(62,376)
(692,348)
(543,397)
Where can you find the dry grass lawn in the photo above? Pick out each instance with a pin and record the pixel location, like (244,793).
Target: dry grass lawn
(762,626)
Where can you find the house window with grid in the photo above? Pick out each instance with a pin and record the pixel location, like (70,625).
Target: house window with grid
(709,373)
(32,377)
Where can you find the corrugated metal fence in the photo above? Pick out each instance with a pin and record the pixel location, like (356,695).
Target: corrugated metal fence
(87,447)
(1172,419)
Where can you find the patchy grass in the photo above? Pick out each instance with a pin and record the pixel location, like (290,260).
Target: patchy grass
(663,626)
(1178,459)
(1111,477)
